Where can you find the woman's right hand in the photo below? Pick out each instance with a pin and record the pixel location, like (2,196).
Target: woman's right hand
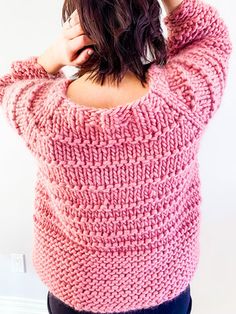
(64,51)
(72,40)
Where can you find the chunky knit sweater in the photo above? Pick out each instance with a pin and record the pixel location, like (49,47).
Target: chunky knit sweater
(117,198)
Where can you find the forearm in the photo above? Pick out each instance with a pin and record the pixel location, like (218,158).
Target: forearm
(171,5)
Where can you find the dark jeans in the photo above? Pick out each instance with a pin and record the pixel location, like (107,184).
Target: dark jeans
(182,304)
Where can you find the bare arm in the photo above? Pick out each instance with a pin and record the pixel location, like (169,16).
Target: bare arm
(171,5)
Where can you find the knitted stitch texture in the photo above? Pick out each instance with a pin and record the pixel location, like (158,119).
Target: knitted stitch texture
(117,206)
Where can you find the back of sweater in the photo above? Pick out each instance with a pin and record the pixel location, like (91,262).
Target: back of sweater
(117,206)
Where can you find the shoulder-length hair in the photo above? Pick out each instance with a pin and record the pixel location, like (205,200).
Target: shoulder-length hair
(124,31)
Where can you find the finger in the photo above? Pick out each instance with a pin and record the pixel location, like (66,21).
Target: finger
(82,58)
(75,18)
(79,42)
(73,32)
(66,25)
(72,20)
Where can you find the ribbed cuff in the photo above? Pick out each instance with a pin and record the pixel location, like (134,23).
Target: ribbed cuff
(30,69)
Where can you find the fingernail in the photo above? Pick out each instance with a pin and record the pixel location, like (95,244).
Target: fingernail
(90,52)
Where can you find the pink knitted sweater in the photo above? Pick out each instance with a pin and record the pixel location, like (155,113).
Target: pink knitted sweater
(117,206)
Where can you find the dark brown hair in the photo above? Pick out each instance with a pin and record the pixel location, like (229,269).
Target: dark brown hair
(123,31)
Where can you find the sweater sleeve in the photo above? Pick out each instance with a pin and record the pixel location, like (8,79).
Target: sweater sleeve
(198,47)
(23,93)
(28,69)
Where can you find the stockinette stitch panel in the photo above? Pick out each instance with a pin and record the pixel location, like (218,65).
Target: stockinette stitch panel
(118,193)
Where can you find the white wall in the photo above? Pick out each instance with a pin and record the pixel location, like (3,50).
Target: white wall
(27,27)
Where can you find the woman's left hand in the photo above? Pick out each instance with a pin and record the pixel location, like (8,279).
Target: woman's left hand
(64,51)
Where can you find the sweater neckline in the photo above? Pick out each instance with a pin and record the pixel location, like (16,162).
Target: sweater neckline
(104,117)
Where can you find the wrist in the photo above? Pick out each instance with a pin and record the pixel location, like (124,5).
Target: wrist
(48,61)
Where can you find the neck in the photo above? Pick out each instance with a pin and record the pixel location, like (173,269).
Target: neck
(128,77)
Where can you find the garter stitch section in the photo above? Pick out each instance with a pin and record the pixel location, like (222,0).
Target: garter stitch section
(117,206)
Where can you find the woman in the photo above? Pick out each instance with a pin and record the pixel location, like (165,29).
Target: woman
(117,206)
